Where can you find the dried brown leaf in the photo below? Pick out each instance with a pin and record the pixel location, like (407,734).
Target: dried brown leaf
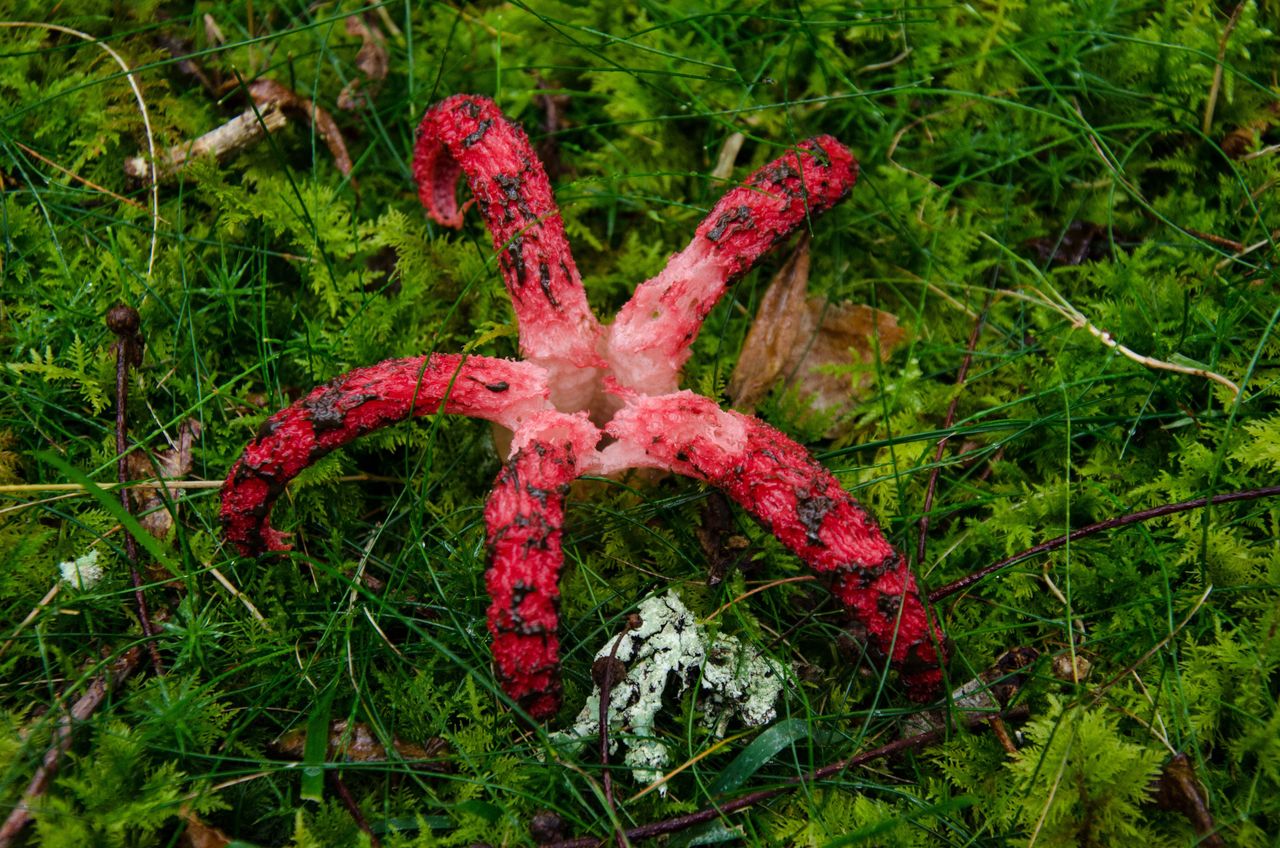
(782,323)
(151,503)
(198,834)
(1179,790)
(1239,141)
(990,692)
(844,329)
(795,339)
(372,60)
(356,742)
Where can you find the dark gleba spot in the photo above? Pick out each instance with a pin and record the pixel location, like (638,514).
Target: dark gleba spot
(326,413)
(740,215)
(329,410)
(510,186)
(267,429)
(820,155)
(811,510)
(515,256)
(479,132)
(544,281)
(889,605)
(500,386)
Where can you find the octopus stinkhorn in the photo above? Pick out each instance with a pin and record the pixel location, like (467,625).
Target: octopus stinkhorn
(595,399)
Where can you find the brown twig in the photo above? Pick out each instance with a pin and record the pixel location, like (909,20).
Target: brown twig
(240,133)
(1212,101)
(1110,524)
(349,801)
(117,672)
(961,376)
(123,321)
(678,823)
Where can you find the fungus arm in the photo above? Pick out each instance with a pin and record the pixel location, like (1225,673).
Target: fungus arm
(524,516)
(467,134)
(649,342)
(800,502)
(360,402)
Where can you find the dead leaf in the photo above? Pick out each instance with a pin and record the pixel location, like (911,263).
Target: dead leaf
(1081,242)
(151,503)
(198,834)
(1240,140)
(990,692)
(781,320)
(795,338)
(268,92)
(356,742)
(1178,789)
(372,60)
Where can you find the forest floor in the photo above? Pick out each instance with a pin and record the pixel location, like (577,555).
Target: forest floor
(1064,228)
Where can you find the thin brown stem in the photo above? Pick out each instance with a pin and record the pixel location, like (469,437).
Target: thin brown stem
(349,801)
(678,823)
(1110,524)
(123,321)
(117,672)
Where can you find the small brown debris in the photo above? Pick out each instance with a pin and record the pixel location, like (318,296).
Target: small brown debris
(355,742)
(725,548)
(795,338)
(180,49)
(553,106)
(607,671)
(990,692)
(1072,669)
(546,826)
(1083,241)
(268,92)
(1242,139)
(198,834)
(372,60)
(1177,789)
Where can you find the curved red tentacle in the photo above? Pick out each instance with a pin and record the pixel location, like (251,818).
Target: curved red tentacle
(357,403)
(800,502)
(649,342)
(468,134)
(524,516)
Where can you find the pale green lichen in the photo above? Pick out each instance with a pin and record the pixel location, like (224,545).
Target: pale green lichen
(668,652)
(83,572)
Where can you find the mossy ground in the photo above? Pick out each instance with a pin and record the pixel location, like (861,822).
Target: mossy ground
(980,127)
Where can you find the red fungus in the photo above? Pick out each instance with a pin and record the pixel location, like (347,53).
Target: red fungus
(581,381)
